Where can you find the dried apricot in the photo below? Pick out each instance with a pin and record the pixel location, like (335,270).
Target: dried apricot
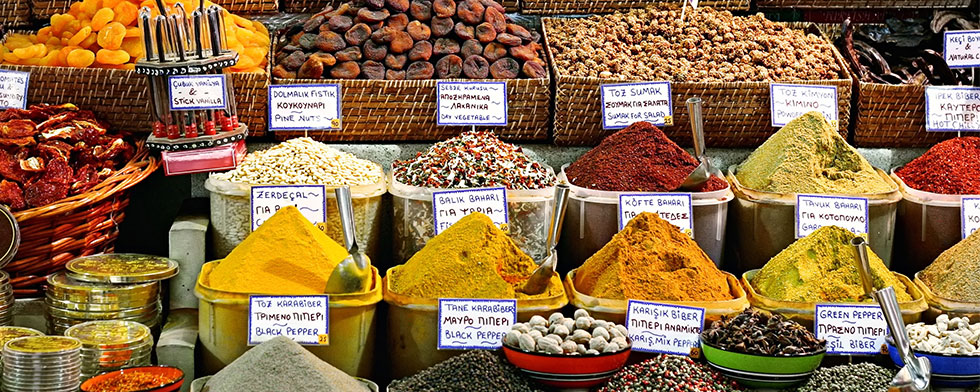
(102,18)
(126,13)
(133,46)
(112,57)
(89,41)
(80,36)
(112,35)
(59,22)
(80,58)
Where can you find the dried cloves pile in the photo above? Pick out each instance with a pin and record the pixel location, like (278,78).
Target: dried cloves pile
(410,39)
(761,333)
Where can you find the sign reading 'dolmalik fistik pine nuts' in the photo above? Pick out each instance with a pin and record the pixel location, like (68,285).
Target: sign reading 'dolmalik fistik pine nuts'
(448,207)
(815,211)
(197,92)
(851,329)
(672,207)
(13,89)
(303,318)
(466,324)
(471,103)
(268,199)
(663,328)
(962,48)
(626,103)
(970,215)
(789,101)
(952,108)
(300,107)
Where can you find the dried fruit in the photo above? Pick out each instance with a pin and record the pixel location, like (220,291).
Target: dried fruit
(494,51)
(394,75)
(519,31)
(476,67)
(398,5)
(505,68)
(508,39)
(370,16)
(445,46)
(311,69)
(397,62)
(373,70)
(329,41)
(497,19)
(444,8)
(418,31)
(308,41)
(449,67)
(524,52)
(352,53)
(374,51)
(111,36)
(111,57)
(534,70)
(485,32)
(442,26)
(421,10)
(313,24)
(345,70)
(401,42)
(420,70)
(471,47)
(340,23)
(470,11)
(463,31)
(357,34)
(422,51)
(398,21)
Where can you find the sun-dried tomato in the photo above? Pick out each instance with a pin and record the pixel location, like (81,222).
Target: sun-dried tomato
(85,178)
(58,171)
(12,195)
(42,193)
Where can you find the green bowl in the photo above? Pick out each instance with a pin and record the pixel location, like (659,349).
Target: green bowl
(762,371)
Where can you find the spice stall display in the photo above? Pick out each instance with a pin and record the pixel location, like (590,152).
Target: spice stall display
(639,158)
(929,215)
(409,45)
(950,345)
(665,373)
(855,377)
(109,345)
(807,156)
(949,283)
(729,66)
(475,370)
(286,255)
(471,160)
(651,260)
(299,161)
(473,258)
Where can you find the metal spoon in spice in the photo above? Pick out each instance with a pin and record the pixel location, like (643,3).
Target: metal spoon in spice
(353,274)
(538,282)
(702,173)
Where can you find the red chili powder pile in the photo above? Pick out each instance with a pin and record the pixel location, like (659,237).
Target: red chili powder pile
(639,158)
(951,167)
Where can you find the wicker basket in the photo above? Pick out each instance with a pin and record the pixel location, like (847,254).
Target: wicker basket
(893,116)
(862,4)
(312,6)
(43,9)
(15,13)
(80,225)
(580,7)
(737,113)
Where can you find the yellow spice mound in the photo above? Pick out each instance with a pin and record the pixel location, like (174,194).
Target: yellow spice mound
(286,255)
(650,259)
(471,259)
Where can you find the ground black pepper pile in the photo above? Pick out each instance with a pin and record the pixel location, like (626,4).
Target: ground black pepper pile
(473,371)
(669,373)
(862,377)
(760,333)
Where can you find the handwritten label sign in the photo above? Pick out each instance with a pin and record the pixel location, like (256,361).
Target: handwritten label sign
(13,89)
(970,215)
(305,319)
(815,211)
(196,92)
(626,103)
(672,207)
(962,48)
(268,199)
(952,108)
(467,324)
(300,107)
(471,103)
(448,207)
(663,328)
(789,101)
(851,329)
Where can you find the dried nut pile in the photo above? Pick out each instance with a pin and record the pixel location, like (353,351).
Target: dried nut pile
(861,377)
(756,332)
(560,335)
(669,373)
(710,45)
(304,161)
(403,39)
(948,336)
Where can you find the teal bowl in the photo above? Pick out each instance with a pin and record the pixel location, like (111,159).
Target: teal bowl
(762,371)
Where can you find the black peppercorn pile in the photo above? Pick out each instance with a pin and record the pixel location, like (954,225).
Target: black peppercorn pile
(669,373)
(755,332)
(474,371)
(862,377)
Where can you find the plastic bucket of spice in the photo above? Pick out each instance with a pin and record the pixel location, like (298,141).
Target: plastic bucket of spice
(939,305)
(529,212)
(592,218)
(928,224)
(413,327)
(803,312)
(231,215)
(223,326)
(765,223)
(615,309)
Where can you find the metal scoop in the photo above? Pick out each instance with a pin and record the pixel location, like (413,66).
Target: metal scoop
(538,282)
(702,173)
(353,274)
(914,376)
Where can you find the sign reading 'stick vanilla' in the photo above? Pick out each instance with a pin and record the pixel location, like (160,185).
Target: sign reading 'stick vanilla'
(197,92)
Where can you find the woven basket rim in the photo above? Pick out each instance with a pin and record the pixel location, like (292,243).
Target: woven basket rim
(406,83)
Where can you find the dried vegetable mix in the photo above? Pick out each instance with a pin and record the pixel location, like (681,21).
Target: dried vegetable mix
(861,377)
(476,371)
(761,333)
(951,167)
(669,373)
(638,158)
(49,152)
(954,274)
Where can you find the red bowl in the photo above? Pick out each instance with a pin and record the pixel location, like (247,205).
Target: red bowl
(567,371)
(174,374)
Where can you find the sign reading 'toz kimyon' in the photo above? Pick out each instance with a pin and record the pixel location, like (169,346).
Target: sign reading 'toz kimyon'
(789,101)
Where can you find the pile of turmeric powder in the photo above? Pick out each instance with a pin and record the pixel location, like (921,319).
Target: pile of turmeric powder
(650,259)
(473,258)
(286,255)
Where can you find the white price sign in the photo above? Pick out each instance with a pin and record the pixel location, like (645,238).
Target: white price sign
(663,328)
(300,107)
(815,211)
(471,103)
(672,207)
(197,92)
(467,324)
(789,101)
(969,215)
(962,48)
(13,89)
(952,108)
(305,318)
(268,199)
(448,207)
(851,329)
(626,103)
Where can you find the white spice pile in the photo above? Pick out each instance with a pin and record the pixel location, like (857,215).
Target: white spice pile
(303,161)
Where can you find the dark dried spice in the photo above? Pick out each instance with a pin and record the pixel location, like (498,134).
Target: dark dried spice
(470,11)
(421,10)
(445,46)
(442,26)
(505,68)
(485,32)
(471,47)
(373,70)
(374,51)
(449,67)
(422,51)
(346,70)
(476,67)
(762,333)
(494,51)
(463,31)
(420,70)
(357,34)
(418,30)
(396,62)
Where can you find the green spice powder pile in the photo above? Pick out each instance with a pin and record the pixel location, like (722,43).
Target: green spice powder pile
(955,274)
(808,155)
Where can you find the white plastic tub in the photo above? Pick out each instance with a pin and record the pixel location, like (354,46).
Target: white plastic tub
(928,224)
